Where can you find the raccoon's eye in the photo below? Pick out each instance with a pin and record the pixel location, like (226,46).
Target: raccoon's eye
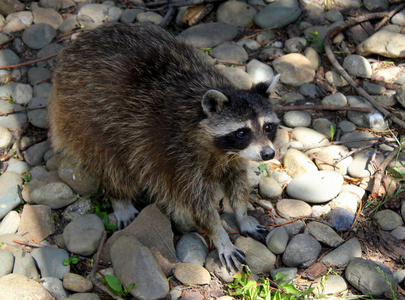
(241,133)
(269,127)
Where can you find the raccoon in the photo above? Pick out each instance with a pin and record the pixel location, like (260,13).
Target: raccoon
(141,110)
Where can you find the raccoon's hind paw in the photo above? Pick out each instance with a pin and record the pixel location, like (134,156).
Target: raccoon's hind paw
(124,211)
(232,258)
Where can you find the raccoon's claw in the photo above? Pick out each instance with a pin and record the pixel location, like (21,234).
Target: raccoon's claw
(233,259)
(259,234)
(124,211)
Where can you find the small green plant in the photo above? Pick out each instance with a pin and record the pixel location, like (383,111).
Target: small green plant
(73,260)
(116,287)
(263,168)
(315,39)
(393,296)
(332,131)
(244,285)
(27,178)
(100,209)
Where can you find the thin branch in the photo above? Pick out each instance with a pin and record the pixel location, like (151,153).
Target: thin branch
(13,111)
(388,16)
(328,49)
(6,42)
(322,107)
(380,172)
(28,62)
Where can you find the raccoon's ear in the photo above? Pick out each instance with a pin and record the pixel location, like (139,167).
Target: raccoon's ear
(213,102)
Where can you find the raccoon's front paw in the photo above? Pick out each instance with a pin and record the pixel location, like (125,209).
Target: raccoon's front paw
(232,257)
(249,227)
(124,211)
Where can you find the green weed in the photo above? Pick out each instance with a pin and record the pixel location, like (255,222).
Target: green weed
(116,287)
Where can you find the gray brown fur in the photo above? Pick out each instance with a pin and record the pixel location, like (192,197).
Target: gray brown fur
(126,104)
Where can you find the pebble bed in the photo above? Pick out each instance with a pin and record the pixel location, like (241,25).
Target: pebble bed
(302,184)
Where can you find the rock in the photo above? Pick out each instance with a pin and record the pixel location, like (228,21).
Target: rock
(54,194)
(295,69)
(153,229)
(16,286)
(77,209)
(135,263)
(237,76)
(36,222)
(387,219)
(331,154)
(292,228)
(208,35)
(258,71)
(290,273)
(35,154)
(37,117)
(362,165)
(192,248)
(24,264)
(18,21)
(309,137)
(69,24)
(345,200)
(335,79)
(373,89)
(83,296)
(278,14)
(93,15)
(55,4)
(54,287)
(376,5)
(47,15)
(20,93)
(6,138)
(297,118)
(10,6)
(149,16)
(9,199)
(291,208)
(6,262)
(351,138)
(364,276)
(334,15)
(315,187)
(250,44)
(230,51)
(269,188)
(235,13)
(309,90)
(384,43)
(77,178)
(295,44)
(399,232)
(50,261)
(341,219)
(191,274)
(10,223)
(277,240)
(324,126)
(258,257)
(324,234)
(358,66)
(83,235)
(214,265)
(399,18)
(337,99)
(344,253)
(313,57)
(297,163)
(38,35)
(346,126)
(302,251)
(332,284)
(76,283)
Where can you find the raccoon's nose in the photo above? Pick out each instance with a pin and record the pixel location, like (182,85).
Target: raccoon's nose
(267,153)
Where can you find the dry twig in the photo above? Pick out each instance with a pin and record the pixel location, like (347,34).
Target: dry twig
(28,62)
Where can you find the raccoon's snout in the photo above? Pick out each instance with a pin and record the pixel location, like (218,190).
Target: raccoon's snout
(267,153)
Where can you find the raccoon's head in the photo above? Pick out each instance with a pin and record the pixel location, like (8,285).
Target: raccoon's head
(241,121)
